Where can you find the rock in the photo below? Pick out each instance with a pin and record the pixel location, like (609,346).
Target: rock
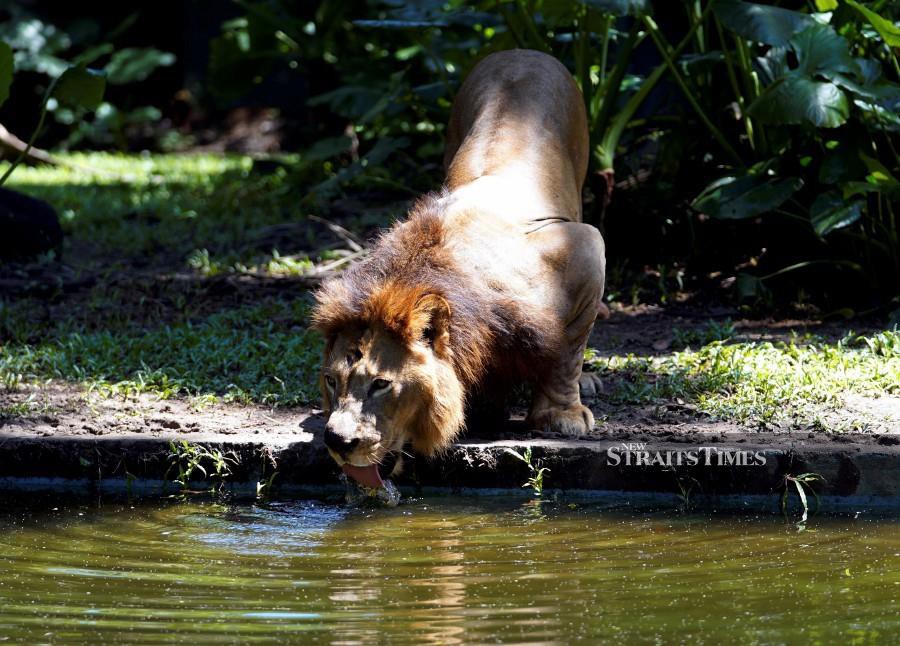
(28,227)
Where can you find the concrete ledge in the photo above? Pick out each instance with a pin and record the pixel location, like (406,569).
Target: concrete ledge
(727,464)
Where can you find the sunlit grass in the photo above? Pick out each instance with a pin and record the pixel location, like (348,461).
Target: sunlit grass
(161,207)
(763,383)
(257,354)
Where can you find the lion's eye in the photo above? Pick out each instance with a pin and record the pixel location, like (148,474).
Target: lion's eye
(330,382)
(379,386)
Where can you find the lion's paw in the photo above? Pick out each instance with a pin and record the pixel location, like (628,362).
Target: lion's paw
(574,420)
(590,385)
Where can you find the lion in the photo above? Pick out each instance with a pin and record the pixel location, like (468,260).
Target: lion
(494,277)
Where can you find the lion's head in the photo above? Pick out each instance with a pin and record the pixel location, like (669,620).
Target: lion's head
(388,375)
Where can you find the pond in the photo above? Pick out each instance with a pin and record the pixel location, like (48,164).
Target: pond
(442,570)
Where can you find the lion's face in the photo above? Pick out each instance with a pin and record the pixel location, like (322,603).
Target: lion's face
(381,391)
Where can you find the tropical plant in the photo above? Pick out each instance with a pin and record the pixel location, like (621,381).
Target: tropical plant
(536,472)
(77,88)
(817,98)
(188,459)
(41,48)
(397,66)
(801,483)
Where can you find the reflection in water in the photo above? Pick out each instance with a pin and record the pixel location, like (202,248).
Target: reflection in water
(442,571)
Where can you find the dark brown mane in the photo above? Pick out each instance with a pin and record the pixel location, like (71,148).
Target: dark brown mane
(411,261)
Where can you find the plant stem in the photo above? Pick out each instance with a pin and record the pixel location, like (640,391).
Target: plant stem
(606,22)
(40,125)
(732,79)
(663,48)
(583,69)
(607,146)
(608,92)
(539,41)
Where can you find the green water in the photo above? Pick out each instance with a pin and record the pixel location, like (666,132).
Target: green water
(442,571)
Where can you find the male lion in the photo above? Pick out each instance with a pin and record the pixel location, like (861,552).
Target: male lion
(494,277)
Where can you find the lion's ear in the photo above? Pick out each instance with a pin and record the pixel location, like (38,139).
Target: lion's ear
(430,322)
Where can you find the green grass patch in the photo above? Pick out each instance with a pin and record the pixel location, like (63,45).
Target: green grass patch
(760,383)
(162,209)
(262,354)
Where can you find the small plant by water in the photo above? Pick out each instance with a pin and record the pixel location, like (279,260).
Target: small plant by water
(800,483)
(265,484)
(188,459)
(536,479)
(686,485)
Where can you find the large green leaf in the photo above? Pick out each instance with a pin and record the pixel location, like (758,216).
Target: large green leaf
(6,70)
(821,51)
(885,28)
(830,211)
(881,92)
(736,198)
(135,64)
(794,99)
(761,23)
(80,87)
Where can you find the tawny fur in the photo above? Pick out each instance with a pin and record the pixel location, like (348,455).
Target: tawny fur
(495,275)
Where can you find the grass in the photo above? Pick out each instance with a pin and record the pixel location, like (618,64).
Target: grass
(133,222)
(189,459)
(248,354)
(159,233)
(181,210)
(762,384)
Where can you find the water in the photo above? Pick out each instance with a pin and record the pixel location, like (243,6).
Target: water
(444,571)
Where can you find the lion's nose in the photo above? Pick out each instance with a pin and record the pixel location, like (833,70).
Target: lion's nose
(338,443)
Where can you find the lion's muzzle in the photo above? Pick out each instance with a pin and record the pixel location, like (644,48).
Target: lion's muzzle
(340,444)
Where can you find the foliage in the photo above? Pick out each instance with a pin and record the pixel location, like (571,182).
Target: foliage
(77,87)
(91,61)
(536,479)
(188,459)
(795,109)
(396,65)
(818,98)
(800,483)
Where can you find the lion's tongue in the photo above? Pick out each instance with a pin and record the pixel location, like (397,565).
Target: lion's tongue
(367,476)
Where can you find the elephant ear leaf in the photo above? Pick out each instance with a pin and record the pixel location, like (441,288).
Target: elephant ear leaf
(794,99)
(6,70)
(737,198)
(761,23)
(830,211)
(820,50)
(81,87)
